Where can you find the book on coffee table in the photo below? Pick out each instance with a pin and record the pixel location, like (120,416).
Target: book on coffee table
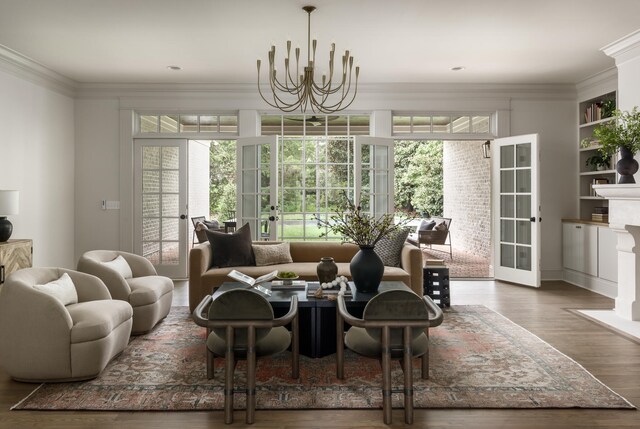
(313,287)
(288,285)
(250,281)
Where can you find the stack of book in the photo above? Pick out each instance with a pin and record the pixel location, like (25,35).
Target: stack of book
(434,263)
(600,214)
(598,217)
(312,287)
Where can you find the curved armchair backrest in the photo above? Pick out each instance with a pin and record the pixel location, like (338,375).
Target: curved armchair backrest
(241,304)
(397,305)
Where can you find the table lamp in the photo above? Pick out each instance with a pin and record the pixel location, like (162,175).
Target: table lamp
(8,206)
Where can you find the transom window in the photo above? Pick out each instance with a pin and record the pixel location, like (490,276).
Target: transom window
(314,125)
(441,124)
(187,123)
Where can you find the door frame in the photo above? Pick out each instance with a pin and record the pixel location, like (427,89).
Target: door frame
(179,270)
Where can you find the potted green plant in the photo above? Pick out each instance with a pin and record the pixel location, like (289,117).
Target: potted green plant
(599,162)
(621,134)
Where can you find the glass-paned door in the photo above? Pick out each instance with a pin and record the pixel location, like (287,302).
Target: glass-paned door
(516,209)
(257,187)
(374,174)
(160,225)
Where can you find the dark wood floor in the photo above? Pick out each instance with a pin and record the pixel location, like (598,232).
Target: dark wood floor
(612,358)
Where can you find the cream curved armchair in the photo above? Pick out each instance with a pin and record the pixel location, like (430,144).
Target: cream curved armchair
(148,293)
(41,339)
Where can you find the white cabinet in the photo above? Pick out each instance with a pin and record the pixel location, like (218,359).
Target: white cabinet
(580,247)
(607,254)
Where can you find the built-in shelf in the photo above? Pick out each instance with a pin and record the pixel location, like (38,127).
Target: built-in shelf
(597,173)
(593,107)
(591,124)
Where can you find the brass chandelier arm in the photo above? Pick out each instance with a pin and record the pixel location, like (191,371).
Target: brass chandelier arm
(300,91)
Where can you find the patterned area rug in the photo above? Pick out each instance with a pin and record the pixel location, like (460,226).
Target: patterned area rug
(479,359)
(463,265)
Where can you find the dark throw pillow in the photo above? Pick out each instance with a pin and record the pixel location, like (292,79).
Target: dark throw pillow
(231,250)
(390,246)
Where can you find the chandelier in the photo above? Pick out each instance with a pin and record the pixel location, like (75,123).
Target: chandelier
(299,90)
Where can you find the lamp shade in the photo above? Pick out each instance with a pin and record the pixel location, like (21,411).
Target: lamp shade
(9,202)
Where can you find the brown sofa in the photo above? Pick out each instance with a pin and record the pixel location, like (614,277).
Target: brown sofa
(305,255)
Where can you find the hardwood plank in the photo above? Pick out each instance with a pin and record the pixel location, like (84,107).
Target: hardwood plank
(612,358)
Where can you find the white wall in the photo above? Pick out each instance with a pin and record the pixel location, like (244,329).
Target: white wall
(550,111)
(98,174)
(37,158)
(555,122)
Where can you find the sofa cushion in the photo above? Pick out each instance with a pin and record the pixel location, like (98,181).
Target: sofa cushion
(426,225)
(93,320)
(231,250)
(148,289)
(442,226)
(61,289)
(390,246)
(121,266)
(270,254)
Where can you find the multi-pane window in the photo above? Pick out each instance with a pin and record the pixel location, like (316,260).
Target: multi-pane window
(316,173)
(441,124)
(188,123)
(315,125)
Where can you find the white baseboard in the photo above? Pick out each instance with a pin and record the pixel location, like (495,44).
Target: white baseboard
(548,275)
(594,284)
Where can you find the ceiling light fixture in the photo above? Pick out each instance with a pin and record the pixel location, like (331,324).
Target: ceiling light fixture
(457,68)
(300,91)
(175,68)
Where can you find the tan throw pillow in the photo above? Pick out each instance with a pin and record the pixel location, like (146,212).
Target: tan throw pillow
(62,289)
(271,254)
(121,266)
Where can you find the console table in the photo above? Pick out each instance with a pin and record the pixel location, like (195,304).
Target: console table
(317,317)
(14,255)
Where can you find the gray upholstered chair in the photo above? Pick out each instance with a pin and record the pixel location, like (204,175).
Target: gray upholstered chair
(240,325)
(42,339)
(148,293)
(394,325)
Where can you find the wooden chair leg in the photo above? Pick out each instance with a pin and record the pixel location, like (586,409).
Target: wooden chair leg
(210,364)
(228,377)
(295,348)
(408,376)
(251,374)
(339,346)
(386,376)
(425,359)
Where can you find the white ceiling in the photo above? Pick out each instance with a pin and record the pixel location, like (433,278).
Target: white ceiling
(498,41)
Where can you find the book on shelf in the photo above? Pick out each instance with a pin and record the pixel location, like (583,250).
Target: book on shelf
(597,217)
(312,287)
(288,285)
(250,281)
(601,210)
(598,181)
(434,263)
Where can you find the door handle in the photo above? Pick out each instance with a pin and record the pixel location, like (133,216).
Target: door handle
(532,219)
(183,216)
(272,218)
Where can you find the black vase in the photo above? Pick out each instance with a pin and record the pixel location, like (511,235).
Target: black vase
(626,166)
(327,270)
(366,270)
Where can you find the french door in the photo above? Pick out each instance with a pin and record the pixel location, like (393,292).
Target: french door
(374,174)
(257,187)
(516,209)
(160,225)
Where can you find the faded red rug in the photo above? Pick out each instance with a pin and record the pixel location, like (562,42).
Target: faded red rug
(479,359)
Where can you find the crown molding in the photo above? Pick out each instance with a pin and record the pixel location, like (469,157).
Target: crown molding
(625,48)
(598,84)
(25,68)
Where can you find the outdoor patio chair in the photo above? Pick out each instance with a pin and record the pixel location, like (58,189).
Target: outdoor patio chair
(195,221)
(240,325)
(394,325)
(434,236)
